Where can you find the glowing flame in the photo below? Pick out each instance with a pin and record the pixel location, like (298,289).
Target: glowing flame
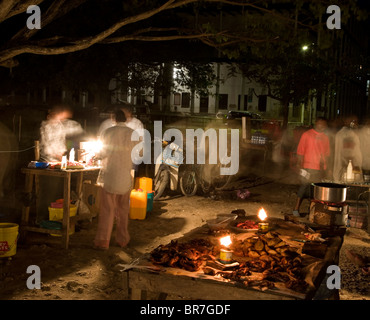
(262,214)
(225,241)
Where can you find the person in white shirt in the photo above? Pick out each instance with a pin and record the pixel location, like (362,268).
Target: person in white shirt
(107,123)
(364,136)
(131,121)
(116,182)
(54,133)
(347,147)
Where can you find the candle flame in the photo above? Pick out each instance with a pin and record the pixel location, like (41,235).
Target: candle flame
(225,241)
(262,214)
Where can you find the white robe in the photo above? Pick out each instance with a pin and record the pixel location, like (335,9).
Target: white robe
(115,175)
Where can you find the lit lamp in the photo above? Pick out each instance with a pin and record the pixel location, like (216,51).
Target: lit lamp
(89,149)
(262,226)
(226,254)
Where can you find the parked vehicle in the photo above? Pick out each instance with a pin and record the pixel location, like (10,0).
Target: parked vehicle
(190,179)
(166,172)
(234,114)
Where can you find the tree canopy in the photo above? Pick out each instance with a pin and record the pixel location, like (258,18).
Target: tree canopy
(74,25)
(92,37)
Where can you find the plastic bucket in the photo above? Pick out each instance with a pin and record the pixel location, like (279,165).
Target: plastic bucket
(8,239)
(149,205)
(56,214)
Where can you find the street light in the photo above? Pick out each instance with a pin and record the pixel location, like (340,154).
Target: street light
(305,48)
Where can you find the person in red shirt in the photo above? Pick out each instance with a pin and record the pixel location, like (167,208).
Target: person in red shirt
(313,152)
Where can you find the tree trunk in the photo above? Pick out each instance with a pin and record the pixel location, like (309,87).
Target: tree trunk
(192,101)
(285,105)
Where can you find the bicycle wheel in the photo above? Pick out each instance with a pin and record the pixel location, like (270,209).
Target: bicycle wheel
(206,186)
(161,181)
(219,181)
(188,183)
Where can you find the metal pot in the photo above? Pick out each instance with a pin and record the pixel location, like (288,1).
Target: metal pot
(329,192)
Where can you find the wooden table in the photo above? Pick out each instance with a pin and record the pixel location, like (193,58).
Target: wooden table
(32,176)
(140,278)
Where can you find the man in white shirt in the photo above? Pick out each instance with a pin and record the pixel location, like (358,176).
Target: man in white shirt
(347,147)
(364,136)
(131,121)
(107,123)
(116,182)
(54,133)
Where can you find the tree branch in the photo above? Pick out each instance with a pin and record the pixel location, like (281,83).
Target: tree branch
(10,8)
(85,43)
(12,51)
(56,9)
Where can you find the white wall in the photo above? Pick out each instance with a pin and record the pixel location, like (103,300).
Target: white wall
(233,87)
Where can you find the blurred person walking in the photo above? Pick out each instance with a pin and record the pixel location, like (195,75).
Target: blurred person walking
(115,179)
(313,153)
(364,137)
(55,132)
(136,125)
(347,147)
(131,121)
(108,122)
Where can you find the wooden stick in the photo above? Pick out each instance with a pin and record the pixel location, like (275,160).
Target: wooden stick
(37,150)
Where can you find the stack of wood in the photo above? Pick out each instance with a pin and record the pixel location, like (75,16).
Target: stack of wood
(189,255)
(262,260)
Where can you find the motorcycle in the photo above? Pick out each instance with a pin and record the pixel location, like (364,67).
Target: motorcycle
(190,179)
(166,172)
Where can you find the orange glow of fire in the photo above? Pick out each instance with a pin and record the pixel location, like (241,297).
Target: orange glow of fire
(225,241)
(262,214)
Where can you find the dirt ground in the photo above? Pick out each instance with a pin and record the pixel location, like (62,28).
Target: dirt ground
(82,273)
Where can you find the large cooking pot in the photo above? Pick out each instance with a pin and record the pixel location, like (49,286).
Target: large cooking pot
(329,192)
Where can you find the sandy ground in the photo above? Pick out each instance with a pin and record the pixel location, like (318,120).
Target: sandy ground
(82,273)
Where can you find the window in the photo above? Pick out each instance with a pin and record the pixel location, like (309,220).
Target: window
(262,103)
(177,99)
(296,111)
(185,100)
(203,104)
(223,101)
(250,95)
(245,105)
